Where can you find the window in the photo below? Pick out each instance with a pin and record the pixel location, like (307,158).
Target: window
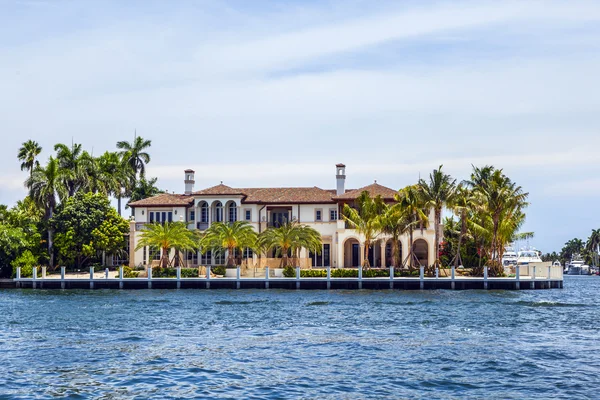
(319,215)
(204,213)
(248,253)
(232,212)
(192,257)
(206,258)
(218,212)
(170,216)
(323,259)
(248,214)
(154,253)
(333,214)
(192,215)
(151,216)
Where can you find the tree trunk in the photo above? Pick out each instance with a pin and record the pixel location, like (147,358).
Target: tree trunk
(460,237)
(395,252)
(410,250)
(165,258)
(119,204)
(366,262)
(50,234)
(436,247)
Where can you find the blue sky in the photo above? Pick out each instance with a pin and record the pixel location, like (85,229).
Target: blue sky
(275,93)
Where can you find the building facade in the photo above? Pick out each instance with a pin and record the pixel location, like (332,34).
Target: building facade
(269,207)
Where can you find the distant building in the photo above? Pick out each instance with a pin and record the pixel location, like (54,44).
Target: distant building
(267,207)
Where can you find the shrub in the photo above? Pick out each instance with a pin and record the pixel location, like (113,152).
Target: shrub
(128,272)
(313,273)
(189,272)
(289,272)
(218,270)
(26,261)
(344,273)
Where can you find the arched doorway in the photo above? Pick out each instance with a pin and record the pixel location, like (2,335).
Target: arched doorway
(217,211)
(389,254)
(421,251)
(351,253)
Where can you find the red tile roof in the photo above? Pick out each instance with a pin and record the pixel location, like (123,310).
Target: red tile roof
(219,190)
(164,199)
(374,189)
(287,195)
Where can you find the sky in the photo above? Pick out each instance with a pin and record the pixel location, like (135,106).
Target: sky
(275,93)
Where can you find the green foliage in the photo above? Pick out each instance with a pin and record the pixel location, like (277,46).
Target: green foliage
(129,272)
(26,261)
(218,269)
(288,239)
(189,272)
(289,271)
(172,272)
(230,236)
(167,236)
(85,226)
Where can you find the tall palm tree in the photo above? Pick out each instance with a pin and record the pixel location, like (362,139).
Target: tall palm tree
(135,154)
(395,221)
(28,154)
(409,200)
(288,238)
(115,176)
(167,236)
(45,188)
(70,160)
(144,188)
(438,192)
(593,244)
(463,205)
(239,235)
(365,217)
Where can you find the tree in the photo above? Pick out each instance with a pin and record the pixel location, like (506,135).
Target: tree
(395,221)
(571,248)
(45,186)
(86,225)
(13,241)
(28,154)
(220,235)
(71,162)
(593,245)
(135,154)
(144,189)
(462,205)
(115,175)
(365,217)
(288,238)
(436,194)
(167,236)
(410,200)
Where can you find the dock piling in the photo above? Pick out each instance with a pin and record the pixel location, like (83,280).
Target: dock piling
(91,277)
(43,272)
(452,275)
(360,277)
(178,270)
(267,277)
(208,276)
(328,278)
(421,276)
(34,271)
(391,277)
(237,275)
(517,277)
(121,277)
(297,277)
(62,277)
(532,284)
(149,277)
(485,277)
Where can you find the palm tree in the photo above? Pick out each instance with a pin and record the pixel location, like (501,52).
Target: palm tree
(220,235)
(288,238)
(593,244)
(167,236)
(436,194)
(144,188)
(410,201)
(395,221)
(463,204)
(28,155)
(45,186)
(115,176)
(71,162)
(135,155)
(365,217)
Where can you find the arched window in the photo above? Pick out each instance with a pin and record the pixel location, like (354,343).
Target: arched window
(218,206)
(232,212)
(204,212)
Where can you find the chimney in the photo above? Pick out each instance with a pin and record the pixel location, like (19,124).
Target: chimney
(340,175)
(189,181)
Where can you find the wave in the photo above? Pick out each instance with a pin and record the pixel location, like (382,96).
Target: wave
(547,304)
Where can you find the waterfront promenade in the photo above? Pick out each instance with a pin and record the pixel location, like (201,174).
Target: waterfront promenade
(525,278)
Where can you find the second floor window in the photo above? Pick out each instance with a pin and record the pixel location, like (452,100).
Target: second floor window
(333,214)
(248,215)
(192,215)
(318,215)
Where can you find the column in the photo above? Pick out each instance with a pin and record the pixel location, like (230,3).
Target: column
(382,246)
(362,254)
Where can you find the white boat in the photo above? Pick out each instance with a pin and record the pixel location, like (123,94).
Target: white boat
(524,257)
(577,266)
(509,257)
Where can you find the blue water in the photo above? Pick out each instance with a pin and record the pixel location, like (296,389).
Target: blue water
(301,344)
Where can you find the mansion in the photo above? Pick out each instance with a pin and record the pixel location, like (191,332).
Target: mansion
(269,207)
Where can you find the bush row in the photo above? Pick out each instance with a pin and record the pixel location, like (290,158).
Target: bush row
(290,272)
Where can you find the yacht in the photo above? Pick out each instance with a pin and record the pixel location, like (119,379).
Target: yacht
(524,257)
(577,266)
(509,257)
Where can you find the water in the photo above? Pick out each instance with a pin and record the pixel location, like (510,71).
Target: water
(301,344)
